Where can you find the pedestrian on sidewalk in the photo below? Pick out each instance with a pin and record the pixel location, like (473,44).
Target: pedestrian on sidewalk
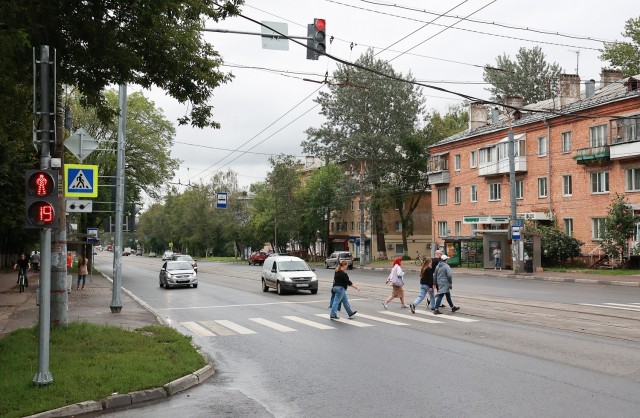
(23,265)
(82,271)
(396,282)
(426,287)
(497,258)
(444,278)
(340,284)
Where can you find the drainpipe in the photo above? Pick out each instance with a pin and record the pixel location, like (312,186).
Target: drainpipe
(550,194)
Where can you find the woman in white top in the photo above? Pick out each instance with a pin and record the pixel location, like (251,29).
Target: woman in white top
(396,281)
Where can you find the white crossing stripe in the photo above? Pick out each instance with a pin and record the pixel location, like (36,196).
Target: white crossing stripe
(411,317)
(198,330)
(386,321)
(220,330)
(346,321)
(274,325)
(309,323)
(451,317)
(235,327)
(634,308)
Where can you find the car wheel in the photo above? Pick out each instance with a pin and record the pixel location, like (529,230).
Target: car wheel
(314,291)
(279,289)
(195,285)
(265,288)
(161,284)
(326,265)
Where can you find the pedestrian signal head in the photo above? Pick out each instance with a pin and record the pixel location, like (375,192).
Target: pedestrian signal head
(41,198)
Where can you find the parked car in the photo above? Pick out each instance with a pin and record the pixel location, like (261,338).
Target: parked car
(186,257)
(152,254)
(139,251)
(286,273)
(167,255)
(257,257)
(177,273)
(127,251)
(337,256)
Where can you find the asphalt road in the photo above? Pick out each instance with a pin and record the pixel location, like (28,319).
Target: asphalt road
(516,348)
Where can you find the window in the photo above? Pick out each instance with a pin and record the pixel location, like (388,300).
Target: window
(632,180)
(542,146)
(473,159)
(566,142)
(456,162)
(353,205)
(597,228)
(332,227)
(542,187)
(442,229)
(474,193)
(598,136)
(568,227)
(457,192)
(474,229)
(494,191)
(519,189)
(398,226)
(567,185)
(625,130)
(600,182)
(353,225)
(399,206)
(442,197)
(458,226)
(485,155)
(399,249)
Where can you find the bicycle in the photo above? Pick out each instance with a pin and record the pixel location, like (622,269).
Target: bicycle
(420,259)
(22,279)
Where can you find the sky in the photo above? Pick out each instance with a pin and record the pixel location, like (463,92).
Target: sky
(267,107)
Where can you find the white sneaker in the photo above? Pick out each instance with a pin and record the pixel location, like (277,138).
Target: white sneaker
(384,304)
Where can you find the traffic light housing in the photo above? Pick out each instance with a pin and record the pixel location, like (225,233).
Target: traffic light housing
(316,39)
(41,198)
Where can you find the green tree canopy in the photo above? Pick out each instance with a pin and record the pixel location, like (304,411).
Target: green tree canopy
(529,76)
(625,55)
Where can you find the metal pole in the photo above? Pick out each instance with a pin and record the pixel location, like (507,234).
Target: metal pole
(361,206)
(43,376)
(116,303)
(512,192)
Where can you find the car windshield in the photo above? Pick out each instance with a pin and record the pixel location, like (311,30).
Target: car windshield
(345,255)
(293,265)
(184,258)
(179,265)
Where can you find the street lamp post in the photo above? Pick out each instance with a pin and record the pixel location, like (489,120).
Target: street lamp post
(361,207)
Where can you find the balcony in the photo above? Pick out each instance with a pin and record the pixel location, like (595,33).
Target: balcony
(502,167)
(438,170)
(622,147)
(593,155)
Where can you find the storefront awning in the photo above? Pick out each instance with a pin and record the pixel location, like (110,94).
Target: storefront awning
(339,240)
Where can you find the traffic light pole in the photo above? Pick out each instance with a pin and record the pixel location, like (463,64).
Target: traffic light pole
(43,376)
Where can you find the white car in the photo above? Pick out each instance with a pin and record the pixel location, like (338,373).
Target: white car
(286,273)
(177,273)
(167,255)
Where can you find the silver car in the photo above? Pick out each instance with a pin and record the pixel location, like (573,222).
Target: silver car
(337,256)
(178,273)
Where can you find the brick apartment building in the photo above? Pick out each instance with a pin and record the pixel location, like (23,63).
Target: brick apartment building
(573,154)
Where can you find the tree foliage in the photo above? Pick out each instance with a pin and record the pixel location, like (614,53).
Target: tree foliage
(529,76)
(368,119)
(619,226)
(625,55)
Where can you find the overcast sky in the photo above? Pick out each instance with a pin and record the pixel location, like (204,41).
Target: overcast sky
(264,111)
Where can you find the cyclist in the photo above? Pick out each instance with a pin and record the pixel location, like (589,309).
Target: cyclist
(22,265)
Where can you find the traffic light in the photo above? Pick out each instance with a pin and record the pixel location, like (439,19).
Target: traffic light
(41,198)
(316,38)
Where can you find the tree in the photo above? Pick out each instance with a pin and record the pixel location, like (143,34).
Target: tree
(367,117)
(529,76)
(625,55)
(556,245)
(619,226)
(99,44)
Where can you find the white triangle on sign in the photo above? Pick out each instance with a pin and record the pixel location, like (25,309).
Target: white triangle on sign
(80,182)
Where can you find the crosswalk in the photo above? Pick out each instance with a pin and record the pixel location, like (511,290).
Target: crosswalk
(320,321)
(634,306)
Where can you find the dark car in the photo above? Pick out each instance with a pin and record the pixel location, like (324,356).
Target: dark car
(186,257)
(177,273)
(257,257)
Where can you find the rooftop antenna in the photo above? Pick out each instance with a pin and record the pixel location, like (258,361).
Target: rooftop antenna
(577,51)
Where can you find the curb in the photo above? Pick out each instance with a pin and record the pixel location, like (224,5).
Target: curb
(118,400)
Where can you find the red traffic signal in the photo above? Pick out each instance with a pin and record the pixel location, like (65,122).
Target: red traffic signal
(319,24)
(41,198)
(316,37)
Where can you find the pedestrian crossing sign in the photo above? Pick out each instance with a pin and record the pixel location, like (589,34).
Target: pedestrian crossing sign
(81,180)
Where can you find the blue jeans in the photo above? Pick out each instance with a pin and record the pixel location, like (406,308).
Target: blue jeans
(439,300)
(498,263)
(340,297)
(424,290)
(333,296)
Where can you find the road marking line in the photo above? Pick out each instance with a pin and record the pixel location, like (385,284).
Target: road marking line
(197,329)
(235,327)
(346,321)
(217,328)
(624,304)
(307,322)
(411,317)
(240,305)
(451,317)
(611,307)
(386,321)
(274,325)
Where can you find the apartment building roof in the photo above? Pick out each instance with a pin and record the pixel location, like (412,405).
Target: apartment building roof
(618,90)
